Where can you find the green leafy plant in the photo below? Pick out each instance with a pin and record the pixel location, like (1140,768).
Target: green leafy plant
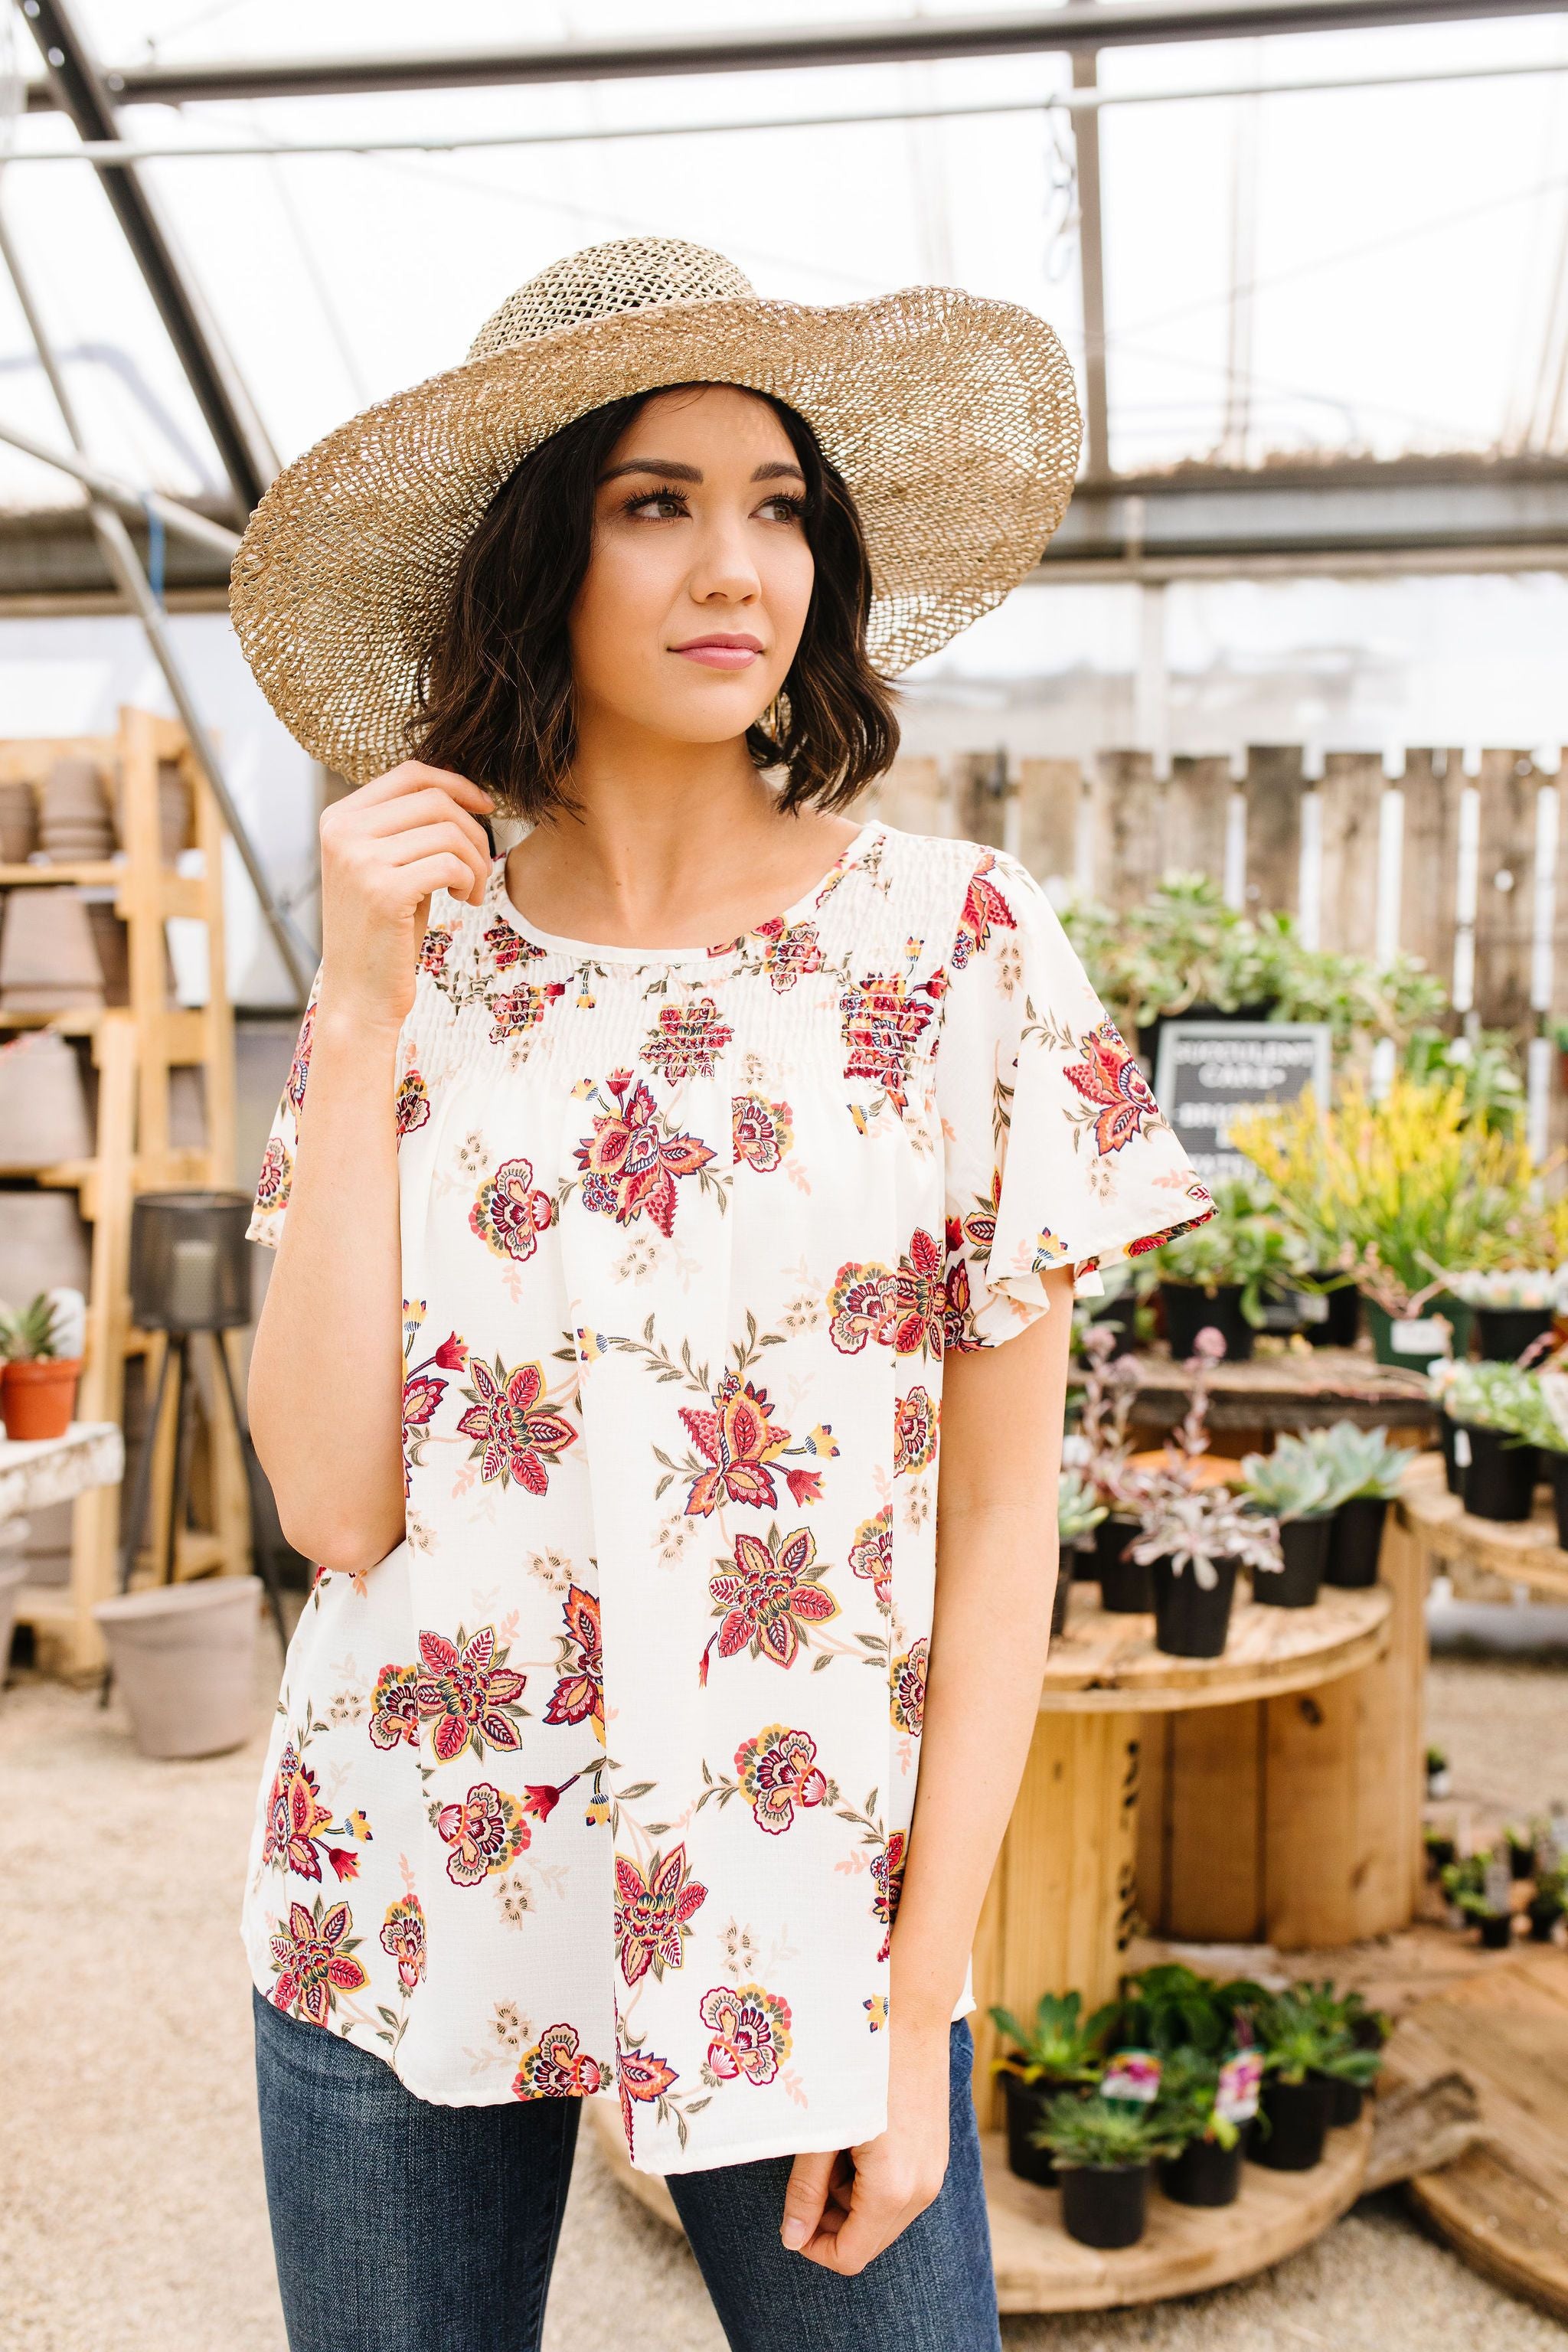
(1171,2007)
(1078,1508)
(1245,1242)
(29,1334)
(1288,1483)
(1490,1396)
(1359,1465)
(1355,2034)
(1109,2134)
(1485,1067)
(1303,2030)
(1189,2082)
(1464,1882)
(1061,2046)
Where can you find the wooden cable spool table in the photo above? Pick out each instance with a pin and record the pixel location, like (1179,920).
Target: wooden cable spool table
(1060,1913)
(1524,1552)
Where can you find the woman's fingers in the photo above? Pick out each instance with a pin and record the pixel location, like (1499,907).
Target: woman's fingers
(409,774)
(806,2196)
(399,849)
(429,805)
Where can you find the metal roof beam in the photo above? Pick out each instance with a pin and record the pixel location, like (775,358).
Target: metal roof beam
(1079,25)
(81,92)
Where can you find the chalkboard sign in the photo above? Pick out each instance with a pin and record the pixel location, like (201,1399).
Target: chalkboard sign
(1211,1073)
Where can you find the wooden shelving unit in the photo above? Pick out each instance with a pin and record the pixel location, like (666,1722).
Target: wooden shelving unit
(136,1048)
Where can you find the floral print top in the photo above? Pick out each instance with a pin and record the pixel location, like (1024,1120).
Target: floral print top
(602,1780)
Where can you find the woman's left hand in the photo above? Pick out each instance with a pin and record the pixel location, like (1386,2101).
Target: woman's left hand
(842,2207)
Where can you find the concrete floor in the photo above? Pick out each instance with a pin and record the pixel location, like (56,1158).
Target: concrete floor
(132,2217)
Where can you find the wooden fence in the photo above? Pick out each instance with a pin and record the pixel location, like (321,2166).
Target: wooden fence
(1460,862)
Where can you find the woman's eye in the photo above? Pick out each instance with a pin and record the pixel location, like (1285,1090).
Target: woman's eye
(783,510)
(662,505)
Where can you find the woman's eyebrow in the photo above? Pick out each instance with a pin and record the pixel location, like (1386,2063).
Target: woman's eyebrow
(673,471)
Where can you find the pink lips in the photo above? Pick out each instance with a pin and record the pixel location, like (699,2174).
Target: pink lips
(721,651)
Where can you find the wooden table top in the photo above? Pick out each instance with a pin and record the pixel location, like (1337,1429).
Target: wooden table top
(1105,1665)
(1291,1389)
(1525,1552)
(37,1470)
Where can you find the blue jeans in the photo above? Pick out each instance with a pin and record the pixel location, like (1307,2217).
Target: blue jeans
(396,2223)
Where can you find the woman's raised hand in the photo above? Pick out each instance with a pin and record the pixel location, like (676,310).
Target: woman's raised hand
(384,850)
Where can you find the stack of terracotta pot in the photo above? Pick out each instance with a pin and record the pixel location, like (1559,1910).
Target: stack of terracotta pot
(18,821)
(75,826)
(49,962)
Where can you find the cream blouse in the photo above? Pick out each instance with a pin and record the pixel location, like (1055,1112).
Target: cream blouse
(602,1780)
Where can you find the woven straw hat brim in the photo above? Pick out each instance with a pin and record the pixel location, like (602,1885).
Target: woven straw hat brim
(952,419)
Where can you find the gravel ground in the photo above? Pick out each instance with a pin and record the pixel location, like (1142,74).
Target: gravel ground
(131,2204)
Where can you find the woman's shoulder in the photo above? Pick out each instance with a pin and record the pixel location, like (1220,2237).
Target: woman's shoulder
(943,889)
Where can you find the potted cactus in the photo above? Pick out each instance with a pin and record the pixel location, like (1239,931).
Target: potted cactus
(37,1396)
(1102,2149)
(1059,2051)
(1291,1485)
(1363,1472)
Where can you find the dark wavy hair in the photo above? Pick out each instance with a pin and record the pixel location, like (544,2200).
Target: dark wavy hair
(493,697)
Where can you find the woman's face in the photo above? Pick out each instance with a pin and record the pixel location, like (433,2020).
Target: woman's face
(698,586)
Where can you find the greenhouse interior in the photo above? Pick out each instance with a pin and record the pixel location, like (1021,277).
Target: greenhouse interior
(1266,2038)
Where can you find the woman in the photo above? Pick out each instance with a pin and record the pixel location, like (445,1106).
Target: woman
(714,1143)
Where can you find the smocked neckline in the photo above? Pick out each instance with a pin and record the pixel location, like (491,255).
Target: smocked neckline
(555,943)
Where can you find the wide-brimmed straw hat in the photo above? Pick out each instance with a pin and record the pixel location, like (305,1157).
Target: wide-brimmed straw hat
(952,420)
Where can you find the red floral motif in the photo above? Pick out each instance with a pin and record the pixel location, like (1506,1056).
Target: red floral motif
(633,1158)
(750,2033)
(311,1958)
(740,1441)
(486,1833)
(1195,1192)
(1111,1083)
(763,1133)
(412,1107)
(640,2075)
(958,1332)
(511,1212)
(395,1708)
(524,1009)
(554,2068)
(513,1438)
(984,908)
(421,1395)
(871,1553)
(468,1693)
(908,1685)
(579,1694)
(687,1040)
(792,950)
(915,1419)
(778,1771)
(863,1304)
(888,1877)
(770,1595)
(276,1180)
(507,947)
(652,1913)
(403,1940)
(920,1299)
(882,1021)
(434,949)
(300,1067)
(298,1822)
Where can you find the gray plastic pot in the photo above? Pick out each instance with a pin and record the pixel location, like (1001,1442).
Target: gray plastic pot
(184,1660)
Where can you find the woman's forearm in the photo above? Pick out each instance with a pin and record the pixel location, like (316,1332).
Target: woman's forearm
(996,1573)
(326,1375)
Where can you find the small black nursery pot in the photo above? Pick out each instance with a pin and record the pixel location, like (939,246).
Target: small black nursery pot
(1506,1332)
(1453,1476)
(1027,2103)
(1543,1913)
(1105,2205)
(1296,2116)
(1557,1471)
(1205,2173)
(1190,1308)
(1521,1860)
(1340,1326)
(1348,2100)
(1304,1546)
(1059,1603)
(1354,1542)
(1499,1480)
(1496,1931)
(1188,1621)
(1126,1586)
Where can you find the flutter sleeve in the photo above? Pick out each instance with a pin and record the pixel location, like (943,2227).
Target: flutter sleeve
(276,1176)
(1056,1152)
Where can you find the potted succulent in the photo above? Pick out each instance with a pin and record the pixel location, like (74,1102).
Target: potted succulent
(1533,1408)
(1298,2100)
(1208,2102)
(1102,2149)
(1439,1779)
(37,1397)
(1477,1885)
(1057,2054)
(1520,1842)
(1355,2037)
(1110,1387)
(1515,1309)
(1490,1406)
(1363,1472)
(1194,1541)
(1290,1486)
(1547,1902)
(1441,1850)
(1078,1513)
(1218,1274)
